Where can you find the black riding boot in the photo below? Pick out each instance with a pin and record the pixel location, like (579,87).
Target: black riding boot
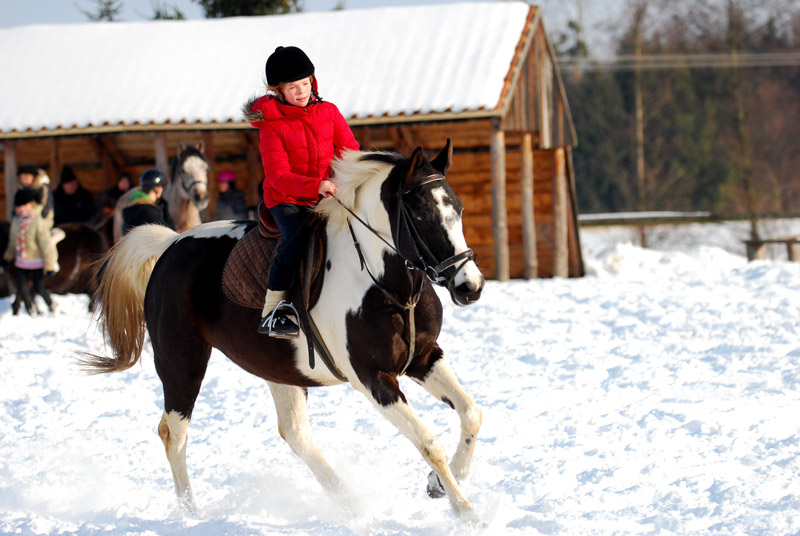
(280,324)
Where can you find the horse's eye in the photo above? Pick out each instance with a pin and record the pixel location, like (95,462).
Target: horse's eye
(421,217)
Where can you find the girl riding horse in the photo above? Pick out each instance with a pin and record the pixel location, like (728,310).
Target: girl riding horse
(300,135)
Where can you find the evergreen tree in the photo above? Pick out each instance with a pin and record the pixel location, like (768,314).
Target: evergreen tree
(215,9)
(165,11)
(721,138)
(104,10)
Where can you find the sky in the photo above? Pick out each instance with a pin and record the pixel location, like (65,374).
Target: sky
(19,12)
(597,15)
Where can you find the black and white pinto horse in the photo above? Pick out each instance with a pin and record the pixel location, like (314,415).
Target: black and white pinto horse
(393,228)
(186,191)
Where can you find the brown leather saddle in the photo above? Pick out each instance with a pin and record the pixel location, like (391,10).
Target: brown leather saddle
(246,272)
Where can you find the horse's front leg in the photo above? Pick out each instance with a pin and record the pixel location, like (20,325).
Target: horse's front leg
(384,391)
(438,379)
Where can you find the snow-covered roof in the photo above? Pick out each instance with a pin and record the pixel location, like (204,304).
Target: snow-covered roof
(371,62)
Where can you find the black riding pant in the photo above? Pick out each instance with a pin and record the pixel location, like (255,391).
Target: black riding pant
(292,220)
(24,278)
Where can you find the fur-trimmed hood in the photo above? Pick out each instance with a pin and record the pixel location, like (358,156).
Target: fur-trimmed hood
(269,108)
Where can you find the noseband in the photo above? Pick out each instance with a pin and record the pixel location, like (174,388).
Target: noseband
(187,189)
(429,268)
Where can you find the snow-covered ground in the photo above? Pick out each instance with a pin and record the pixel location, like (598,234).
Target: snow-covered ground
(658,395)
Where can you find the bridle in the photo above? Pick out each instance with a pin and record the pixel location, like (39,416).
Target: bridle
(180,175)
(425,262)
(186,189)
(426,258)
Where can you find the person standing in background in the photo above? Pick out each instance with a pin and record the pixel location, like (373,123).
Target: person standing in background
(31,248)
(230,203)
(37,180)
(72,203)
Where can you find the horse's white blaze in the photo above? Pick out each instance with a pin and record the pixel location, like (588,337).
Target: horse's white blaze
(172,429)
(196,168)
(451,220)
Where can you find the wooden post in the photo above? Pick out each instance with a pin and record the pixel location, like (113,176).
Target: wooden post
(254,174)
(55,163)
(213,189)
(560,214)
(793,250)
(10,171)
(162,159)
(528,211)
(499,217)
(756,250)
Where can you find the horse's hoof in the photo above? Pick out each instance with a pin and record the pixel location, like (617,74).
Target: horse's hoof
(435,488)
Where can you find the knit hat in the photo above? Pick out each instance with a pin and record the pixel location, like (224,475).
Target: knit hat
(24,196)
(67,175)
(27,169)
(226,175)
(287,64)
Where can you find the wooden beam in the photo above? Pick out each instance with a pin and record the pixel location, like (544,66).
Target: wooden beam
(162,159)
(499,216)
(10,171)
(55,163)
(213,190)
(560,215)
(110,172)
(528,215)
(255,175)
(117,158)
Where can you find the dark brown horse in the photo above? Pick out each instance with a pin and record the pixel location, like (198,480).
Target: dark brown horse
(79,250)
(394,227)
(78,254)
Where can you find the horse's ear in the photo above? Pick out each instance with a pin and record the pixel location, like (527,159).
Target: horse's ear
(417,160)
(201,147)
(443,160)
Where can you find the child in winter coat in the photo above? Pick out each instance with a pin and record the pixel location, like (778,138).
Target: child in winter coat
(300,135)
(37,179)
(31,248)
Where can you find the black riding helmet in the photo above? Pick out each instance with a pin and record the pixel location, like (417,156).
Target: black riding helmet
(287,64)
(152,178)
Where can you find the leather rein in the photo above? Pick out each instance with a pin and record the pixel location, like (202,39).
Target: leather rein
(425,262)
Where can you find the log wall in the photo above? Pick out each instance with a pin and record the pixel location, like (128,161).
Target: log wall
(98,160)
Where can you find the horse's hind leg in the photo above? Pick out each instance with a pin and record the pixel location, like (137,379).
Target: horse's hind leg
(181,376)
(293,426)
(440,381)
(172,430)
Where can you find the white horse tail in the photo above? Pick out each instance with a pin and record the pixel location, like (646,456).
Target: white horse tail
(122,282)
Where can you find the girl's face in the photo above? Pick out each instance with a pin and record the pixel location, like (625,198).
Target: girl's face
(298,93)
(24,211)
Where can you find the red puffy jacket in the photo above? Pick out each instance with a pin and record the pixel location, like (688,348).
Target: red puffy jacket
(297,147)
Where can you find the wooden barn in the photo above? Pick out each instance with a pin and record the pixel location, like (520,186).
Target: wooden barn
(108,98)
